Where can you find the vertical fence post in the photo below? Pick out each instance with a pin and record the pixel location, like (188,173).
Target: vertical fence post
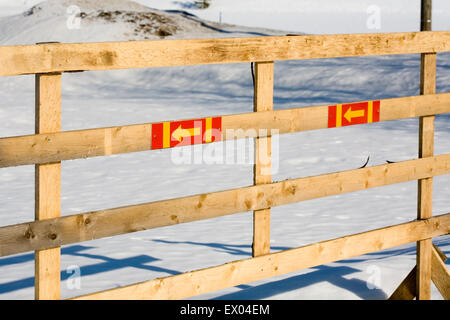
(426,149)
(47,185)
(263,101)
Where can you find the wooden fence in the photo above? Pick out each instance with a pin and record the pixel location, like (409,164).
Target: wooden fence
(49,146)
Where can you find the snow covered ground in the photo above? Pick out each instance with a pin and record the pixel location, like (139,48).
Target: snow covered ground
(97,99)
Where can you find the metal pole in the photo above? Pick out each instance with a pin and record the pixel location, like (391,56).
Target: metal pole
(425,20)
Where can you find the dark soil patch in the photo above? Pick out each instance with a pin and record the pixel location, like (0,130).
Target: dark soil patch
(145,23)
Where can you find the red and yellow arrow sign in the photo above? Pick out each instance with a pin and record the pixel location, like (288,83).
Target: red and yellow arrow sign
(179,134)
(183,133)
(350,114)
(353,113)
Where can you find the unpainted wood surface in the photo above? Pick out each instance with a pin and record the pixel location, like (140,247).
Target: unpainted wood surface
(105,223)
(425,186)
(263,101)
(57,57)
(47,185)
(244,271)
(51,147)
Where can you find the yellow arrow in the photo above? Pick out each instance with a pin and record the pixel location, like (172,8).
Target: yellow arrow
(350,114)
(180,133)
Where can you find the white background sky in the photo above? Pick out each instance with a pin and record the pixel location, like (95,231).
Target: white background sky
(320,16)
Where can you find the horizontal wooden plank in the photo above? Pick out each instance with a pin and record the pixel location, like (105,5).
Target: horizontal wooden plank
(105,223)
(57,57)
(68,145)
(244,271)
(52,147)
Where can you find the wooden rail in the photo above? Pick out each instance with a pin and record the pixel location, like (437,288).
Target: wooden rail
(48,147)
(56,57)
(249,270)
(105,223)
(79,144)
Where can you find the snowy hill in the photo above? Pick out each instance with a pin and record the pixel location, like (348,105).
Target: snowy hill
(108,98)
(111,20)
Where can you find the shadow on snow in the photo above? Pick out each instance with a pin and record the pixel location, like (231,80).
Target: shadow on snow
(325,273)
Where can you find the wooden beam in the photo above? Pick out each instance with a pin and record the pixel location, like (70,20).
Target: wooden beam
(244,271)
(105,223)
(29,59)
(426,149)
(423,278)
(47,185)
(440,253)
(44,148)
(440,274)
(407,289)
(263,101)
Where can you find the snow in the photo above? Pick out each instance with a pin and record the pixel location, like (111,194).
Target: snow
(316,16)
(113,20)
(98,99)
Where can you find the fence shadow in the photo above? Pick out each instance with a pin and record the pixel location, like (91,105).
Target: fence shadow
(410,250)
(333,275)
(107,264)
(233,249)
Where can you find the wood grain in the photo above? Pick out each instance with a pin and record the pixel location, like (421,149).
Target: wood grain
(69,145)
(47,185)
(263,101)
(57,57)
(425,186)
(407,288)
(440,274)
(198,282)
(105,223)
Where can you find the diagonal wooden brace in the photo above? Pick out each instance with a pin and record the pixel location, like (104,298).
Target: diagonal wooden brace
(407,289)
(440,276)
